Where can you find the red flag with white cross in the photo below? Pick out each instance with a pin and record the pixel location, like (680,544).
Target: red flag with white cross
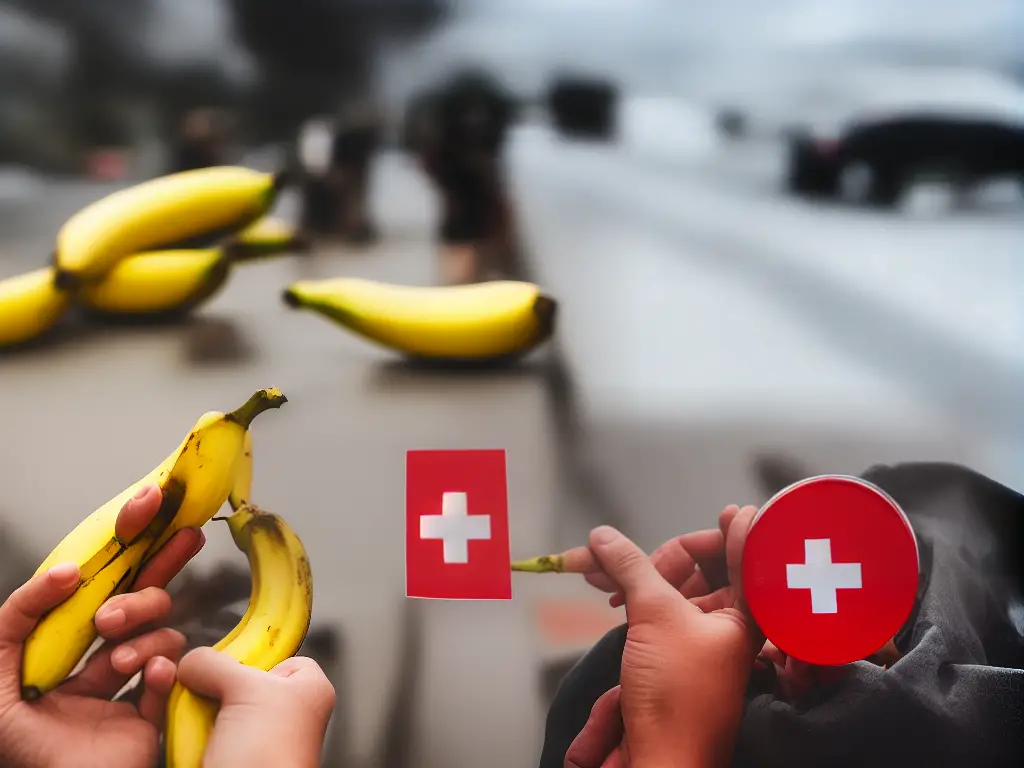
(456,513)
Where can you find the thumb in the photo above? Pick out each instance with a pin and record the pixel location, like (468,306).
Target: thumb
(626,564)
(213,674)
(307,673)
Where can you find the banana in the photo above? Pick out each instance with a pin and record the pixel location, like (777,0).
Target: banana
(175,211)
(464,322)
(196,479)
(30,305)
(267,236)
(280,607)
(158,283)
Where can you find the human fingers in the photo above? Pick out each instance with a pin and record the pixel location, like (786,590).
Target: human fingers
(20,614)
(736,539)
(123,615)
(158,678)
(216,675)
(678,559)
(110,668)
(138,512)
(306,672)
(601,735)
(172,557)
(630,568)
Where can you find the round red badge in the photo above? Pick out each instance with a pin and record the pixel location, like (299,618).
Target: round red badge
(830,569)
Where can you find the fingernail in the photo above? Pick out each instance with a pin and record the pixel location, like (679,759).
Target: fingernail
(603,535)
(64,574)
(200,541)
(123,658)
(142,492)
(108,619)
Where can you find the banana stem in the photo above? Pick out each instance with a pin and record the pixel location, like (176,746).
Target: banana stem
(542,564)
(575,560)
(261,401)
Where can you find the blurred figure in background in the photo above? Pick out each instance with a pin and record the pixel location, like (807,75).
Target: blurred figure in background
(314,148)
(201,141)
(336,157)
(461,151)
(354,146)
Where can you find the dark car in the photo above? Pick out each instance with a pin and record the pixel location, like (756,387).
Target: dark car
(893,152)
(583,107)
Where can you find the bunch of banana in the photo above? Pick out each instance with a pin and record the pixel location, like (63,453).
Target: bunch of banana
(268,236)
(30,305)
(483,321)
(183,210)
(195,479)
(272,629)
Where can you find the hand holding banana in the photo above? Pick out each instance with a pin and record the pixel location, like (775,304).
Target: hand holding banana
(195,480)
(117,734)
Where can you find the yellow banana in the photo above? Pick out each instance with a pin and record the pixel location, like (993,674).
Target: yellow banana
(30,305)
(158,283)
(267,236)
(464,322)
(175,211)
(196,480)
(280,607)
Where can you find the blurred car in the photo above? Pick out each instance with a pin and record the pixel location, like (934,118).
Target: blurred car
(583,107)
(894,151)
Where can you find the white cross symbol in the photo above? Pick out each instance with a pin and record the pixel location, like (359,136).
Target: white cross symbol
(455,527)
(823,577)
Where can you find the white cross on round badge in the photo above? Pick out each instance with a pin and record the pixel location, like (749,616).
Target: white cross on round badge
(830,569)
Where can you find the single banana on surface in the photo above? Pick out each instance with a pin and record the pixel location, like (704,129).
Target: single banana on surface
(177,211)
(30,305)
(195,479)
(464,322)
(268,236)
(272,630)
(158,283)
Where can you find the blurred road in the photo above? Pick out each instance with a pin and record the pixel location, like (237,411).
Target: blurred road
(702,326)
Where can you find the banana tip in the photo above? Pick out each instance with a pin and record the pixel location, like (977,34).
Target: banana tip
(31,693)
(65,281)
(291,298)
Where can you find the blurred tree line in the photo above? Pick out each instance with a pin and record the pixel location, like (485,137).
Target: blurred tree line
(309,56)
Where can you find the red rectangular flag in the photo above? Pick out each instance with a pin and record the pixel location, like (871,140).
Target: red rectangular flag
(456,525)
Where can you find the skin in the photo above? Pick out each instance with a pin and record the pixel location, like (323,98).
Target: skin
(79,724)
(275,719)
(690,647)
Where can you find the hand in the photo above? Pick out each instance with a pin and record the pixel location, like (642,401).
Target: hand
(684,667)
(78,724)
(276,719)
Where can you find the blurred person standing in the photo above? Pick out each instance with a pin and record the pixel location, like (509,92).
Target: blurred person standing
(314,149)
(355,144)
(461,151)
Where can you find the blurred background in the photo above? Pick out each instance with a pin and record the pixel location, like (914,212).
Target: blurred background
(738,307)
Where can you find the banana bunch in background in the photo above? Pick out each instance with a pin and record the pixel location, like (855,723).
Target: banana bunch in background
(484,321)
(271,630)
(163,246)
(204,471)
